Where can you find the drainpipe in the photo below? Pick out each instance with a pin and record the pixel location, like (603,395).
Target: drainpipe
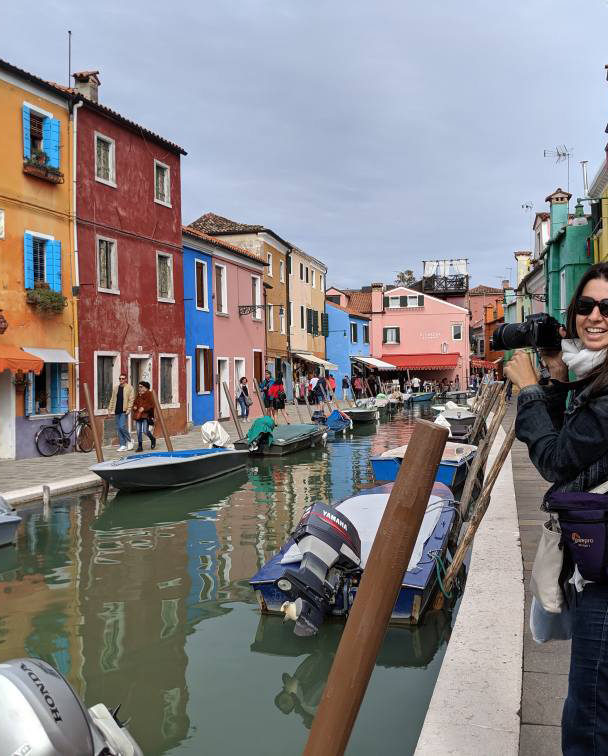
(75,248)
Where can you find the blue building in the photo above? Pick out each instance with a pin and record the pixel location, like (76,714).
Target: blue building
(348,337)
(198,314)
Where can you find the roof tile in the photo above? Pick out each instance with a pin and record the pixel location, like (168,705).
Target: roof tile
(190,231)
(210,223)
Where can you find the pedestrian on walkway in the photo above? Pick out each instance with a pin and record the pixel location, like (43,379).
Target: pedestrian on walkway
(415,384)
(569,447)
(312,389)
(345,387)
(331,384)
(357,386)
(120,405)
(143,414)
(264,388)
(277,396)
(243,398)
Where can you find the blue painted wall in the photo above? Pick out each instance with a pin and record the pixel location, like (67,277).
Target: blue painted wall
(199,330)
(338,343)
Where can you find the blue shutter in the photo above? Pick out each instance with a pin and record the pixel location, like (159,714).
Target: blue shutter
(29,395)
(28,261)
(55,387)
(26,131)
(64,391)
(50,141)
(52,260)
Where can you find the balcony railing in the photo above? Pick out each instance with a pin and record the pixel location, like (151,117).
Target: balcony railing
(457,284)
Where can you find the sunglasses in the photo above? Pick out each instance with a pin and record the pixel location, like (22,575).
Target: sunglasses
(586,305)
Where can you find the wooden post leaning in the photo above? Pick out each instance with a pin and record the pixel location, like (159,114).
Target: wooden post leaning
(377,593)
(326,400)
(307,404)
(260,399)
(232,408)
(96,440)
(484,410)
(297,406)
(480,509)
(158,413)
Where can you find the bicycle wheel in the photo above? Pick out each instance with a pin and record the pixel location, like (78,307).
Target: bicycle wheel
(84,438)
(48,440)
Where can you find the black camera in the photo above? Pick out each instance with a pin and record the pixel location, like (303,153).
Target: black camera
(540,331)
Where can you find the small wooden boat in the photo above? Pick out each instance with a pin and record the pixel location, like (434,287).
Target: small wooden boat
(461,422)
(170,469)
(423,396)
(365,513)
(9,522)
(362,414)
(452,469)
(286,440)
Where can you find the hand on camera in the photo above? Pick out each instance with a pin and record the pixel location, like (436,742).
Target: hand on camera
(553,361)
(520,370)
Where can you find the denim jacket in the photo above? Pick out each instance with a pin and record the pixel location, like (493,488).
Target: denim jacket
(567,445)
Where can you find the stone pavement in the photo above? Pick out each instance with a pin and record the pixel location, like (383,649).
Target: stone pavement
(545,666)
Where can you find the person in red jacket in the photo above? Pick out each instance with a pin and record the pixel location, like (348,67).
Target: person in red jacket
(276,394)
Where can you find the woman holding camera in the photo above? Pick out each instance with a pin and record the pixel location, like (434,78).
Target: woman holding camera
(569,447)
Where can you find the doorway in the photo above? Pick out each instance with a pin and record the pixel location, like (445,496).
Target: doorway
(257,365)
(140,369)
(8,446)
(223,376)
(189,389)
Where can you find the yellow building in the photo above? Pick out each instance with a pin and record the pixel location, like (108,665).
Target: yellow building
(38,348)
(599,213)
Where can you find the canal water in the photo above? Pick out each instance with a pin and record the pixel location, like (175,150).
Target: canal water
(144,601)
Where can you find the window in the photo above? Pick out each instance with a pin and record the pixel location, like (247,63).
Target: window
(353,333)
(269,318)
(321,282)
(105,160)
(302,322)
(200,283)
(312,278)
(290,316)
(412,301)
(391,335)
(168,380)
(481,347)
(204,370)
(282,271)
(301,272)
(105,380)
(394,301)
(269,270)
(282,319)
(306,275)
(289,264)
(162,184)
(365,334)
(164,277)
(107,265)
(221,295)
(256,297)
(457,331)
(41,261)
(41,136)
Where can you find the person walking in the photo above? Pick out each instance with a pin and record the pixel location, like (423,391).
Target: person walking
(264,388)
(358,386)
(415,384)
(345,388)
(143,414)
(277,395)
(120,406)
(243,398)
(331,383)
(312,389)
(457,383)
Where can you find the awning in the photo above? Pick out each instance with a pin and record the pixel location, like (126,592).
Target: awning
(423,361)
(316,360)
(476,362)
(14,358)
(51,355)
(373,362)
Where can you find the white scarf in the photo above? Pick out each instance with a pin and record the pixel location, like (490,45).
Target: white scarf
(580,359)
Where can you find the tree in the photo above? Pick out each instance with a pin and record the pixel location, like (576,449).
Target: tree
(405,278)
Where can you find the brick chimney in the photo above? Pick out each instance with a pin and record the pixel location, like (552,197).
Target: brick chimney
(377,293)
(506,284)
(87,84)
(559,210)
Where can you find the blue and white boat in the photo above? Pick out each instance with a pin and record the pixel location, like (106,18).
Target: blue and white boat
(452,469)
(423,396)
(363,513)
(9,522)
(169,469)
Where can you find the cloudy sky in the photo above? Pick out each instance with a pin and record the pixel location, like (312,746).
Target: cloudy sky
(371,134)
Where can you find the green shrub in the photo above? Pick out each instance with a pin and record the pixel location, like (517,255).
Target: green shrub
(46,300)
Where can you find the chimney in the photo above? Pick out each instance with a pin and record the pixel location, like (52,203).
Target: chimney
(377,300)
(523,264)
(559,210)
(506,284)
(87,84)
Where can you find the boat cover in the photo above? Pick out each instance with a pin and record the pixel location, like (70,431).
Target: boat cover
(453,452)
(283,434)
(337,421)
(214,435)
(259,427)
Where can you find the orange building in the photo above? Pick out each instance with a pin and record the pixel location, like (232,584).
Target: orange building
(494,316)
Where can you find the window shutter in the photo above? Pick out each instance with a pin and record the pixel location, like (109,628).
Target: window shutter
(200,284)
(386,301)
(29,395)
(25,111)
(197,370)
(55,388)
(50,141)
(52,261)
(28,261)
(402,301)
(398,332)
(420,300)
(315,323)
(384,334)
(208,365)
(308,320)
(325,324)
(64,396)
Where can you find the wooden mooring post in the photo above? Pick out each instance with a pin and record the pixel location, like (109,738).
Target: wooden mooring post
(260,400)
(377,593)
(158,415)
(90,410)
(232,409)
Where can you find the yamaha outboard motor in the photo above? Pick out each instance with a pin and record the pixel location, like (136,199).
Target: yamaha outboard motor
(329,544)
(41,714)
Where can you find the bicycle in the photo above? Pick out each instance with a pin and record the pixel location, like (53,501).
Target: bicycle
(50,439)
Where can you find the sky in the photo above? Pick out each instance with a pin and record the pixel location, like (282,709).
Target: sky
(373,135)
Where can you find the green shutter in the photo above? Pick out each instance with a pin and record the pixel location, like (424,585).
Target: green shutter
(402,301)
(420,300)
(398,330)
(386,302)
(384,333)
(315,323)
(308,320)
(325,324)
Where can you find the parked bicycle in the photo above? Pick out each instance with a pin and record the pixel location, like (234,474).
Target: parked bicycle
(52,438)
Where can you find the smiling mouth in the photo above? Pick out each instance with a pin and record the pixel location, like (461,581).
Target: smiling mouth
(594,331)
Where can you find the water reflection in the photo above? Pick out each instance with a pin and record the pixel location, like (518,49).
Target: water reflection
(144,601)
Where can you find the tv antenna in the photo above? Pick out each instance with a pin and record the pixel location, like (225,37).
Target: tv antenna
(561,153)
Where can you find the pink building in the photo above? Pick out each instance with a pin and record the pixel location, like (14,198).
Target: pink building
(238,319)
(414,332)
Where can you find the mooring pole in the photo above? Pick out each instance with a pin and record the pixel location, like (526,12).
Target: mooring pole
(161,419)
(260,400)
(297,406)
(232,408)
(307,404)
(377,593)
(89,403)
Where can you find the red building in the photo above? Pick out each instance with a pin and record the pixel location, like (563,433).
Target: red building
(128,211)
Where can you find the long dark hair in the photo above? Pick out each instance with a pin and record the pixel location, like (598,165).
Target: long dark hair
(599,270)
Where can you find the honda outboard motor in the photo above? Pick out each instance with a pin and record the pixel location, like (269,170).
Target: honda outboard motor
(329,544)
(41,714)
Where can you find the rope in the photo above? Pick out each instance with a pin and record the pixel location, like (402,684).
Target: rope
(439,566)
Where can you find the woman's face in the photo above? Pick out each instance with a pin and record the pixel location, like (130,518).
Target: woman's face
(592,329)
(267,375)
(141,389)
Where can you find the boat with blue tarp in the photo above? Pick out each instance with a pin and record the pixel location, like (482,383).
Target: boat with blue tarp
(266,438)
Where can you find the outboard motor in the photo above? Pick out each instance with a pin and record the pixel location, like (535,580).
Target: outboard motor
(329,544)
(41,714)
